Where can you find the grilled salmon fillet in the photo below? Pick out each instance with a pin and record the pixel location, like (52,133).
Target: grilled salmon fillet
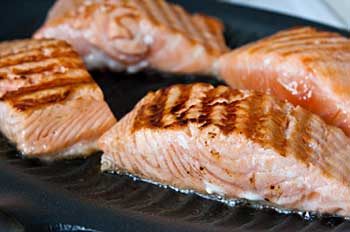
(50,107)
(233,144)
(307,67)
(134,34)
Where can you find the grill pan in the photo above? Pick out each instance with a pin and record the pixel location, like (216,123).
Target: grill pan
(74,196)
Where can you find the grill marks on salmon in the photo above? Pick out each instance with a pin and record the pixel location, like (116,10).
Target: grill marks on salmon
(50,107)
(233,144)
(124,34)
(42,64)
(305,66)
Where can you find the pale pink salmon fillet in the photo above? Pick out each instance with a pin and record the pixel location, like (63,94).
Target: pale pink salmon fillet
(233,144)
(307,67)
(135,34)
(50,107)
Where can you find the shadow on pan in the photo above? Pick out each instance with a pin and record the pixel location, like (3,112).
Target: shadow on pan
(74,196)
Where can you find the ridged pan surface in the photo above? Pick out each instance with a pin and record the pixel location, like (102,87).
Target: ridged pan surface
(74,196)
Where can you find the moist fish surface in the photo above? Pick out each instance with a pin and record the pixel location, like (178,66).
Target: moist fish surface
(134,34)
(50,107)
(305,66)
(234,144)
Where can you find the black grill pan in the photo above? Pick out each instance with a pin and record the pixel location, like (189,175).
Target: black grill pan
(74,196)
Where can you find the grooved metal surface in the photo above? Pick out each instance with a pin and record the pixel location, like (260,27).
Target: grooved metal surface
(75,196)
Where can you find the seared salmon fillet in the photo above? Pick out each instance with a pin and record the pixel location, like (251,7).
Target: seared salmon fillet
(50,107)
(134,34)
(307,67)
(234,144)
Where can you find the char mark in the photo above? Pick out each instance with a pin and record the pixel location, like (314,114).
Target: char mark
(150,114)
(58,67)
(59,82)
(37,56)
(30,46)
(302,137)
(25,104)
(180,104)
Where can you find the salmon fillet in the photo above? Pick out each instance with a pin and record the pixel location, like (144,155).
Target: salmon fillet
(234,144)
(50,107)
(134,34)
(307,67)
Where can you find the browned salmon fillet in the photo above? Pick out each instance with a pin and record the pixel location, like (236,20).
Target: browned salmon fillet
(305,66)
(134,34)
(50,107)
(233,144)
